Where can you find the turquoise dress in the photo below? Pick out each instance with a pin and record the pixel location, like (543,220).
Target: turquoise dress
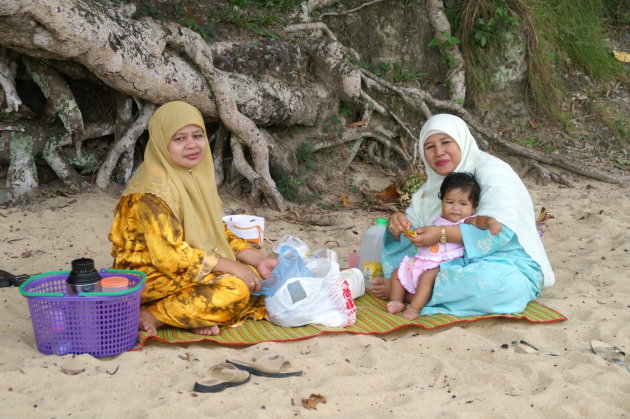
(494,276)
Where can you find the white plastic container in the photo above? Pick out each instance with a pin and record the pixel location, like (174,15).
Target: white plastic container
(355,280)
(371,246)
(247,227)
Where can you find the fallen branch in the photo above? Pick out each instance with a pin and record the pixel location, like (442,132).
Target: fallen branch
(347,12)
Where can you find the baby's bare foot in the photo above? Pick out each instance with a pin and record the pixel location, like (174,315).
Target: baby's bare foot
(410,313)
(394,307)
(148,323)
(210,330)
(380,287)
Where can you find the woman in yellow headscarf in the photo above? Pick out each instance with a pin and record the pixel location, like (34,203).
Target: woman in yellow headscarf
(168,224)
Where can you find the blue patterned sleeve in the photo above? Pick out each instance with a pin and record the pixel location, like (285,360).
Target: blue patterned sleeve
(480,243)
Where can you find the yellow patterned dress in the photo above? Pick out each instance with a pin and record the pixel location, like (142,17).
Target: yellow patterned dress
(181,290)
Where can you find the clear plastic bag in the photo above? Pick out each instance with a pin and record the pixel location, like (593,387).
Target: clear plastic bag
(298,244)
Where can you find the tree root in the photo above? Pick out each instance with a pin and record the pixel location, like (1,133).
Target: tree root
(124,145)
(352,134)
(219,141)
(8,83)
(546,175)
(60,98)
(455,61)
(24,144)
(257,181)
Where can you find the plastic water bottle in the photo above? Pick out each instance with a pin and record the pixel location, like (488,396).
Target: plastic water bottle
(371,245)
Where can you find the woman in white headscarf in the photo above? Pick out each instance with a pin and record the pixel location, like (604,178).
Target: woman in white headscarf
(168,224)
(498,274)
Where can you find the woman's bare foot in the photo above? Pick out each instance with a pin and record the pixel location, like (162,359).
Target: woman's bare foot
(394,307)
(210,330)
(148,323)
(380,287)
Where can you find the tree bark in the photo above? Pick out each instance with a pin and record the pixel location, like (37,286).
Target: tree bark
(142,58)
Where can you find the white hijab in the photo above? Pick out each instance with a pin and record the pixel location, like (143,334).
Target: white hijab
(503,194)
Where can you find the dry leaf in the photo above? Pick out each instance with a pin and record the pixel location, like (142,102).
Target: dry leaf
(313,401)
(357,123)
(389,194)
(621,56)
(344,200)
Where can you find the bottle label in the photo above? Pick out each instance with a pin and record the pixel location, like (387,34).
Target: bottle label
(372,269)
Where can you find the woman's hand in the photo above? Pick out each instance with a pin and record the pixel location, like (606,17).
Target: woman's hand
(248,276)
(397,224)
(265,266)
(426,236)
(240,270)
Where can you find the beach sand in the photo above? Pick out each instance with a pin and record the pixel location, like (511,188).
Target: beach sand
(454,371)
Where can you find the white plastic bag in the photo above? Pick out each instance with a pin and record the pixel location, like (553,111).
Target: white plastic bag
(324,298)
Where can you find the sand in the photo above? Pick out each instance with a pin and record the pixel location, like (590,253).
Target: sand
(456,371)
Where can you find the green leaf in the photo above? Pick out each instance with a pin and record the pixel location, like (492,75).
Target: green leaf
(435,42)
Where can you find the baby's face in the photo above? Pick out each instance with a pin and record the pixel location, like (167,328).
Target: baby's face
(456,205)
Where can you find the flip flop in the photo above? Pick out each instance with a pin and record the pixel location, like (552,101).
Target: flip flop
(222,376)
(527,348)
(268,365)
(610,353)
(9,280)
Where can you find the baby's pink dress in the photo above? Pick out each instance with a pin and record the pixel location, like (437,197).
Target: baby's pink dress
(411,268)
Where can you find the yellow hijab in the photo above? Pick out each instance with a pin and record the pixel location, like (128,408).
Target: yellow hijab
(191,194)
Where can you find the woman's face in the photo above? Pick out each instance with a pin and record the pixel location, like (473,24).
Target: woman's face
(442,153)
(188,146)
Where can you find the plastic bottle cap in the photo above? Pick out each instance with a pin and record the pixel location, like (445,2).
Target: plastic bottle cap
(381,222)
(114,282)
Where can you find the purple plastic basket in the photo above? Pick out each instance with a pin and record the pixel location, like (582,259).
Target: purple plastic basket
(99,324)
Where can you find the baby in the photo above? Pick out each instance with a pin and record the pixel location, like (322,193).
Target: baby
(416,275)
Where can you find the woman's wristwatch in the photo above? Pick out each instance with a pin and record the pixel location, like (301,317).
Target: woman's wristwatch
(443,236)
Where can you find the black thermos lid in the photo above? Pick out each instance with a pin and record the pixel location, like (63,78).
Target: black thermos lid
(83,272)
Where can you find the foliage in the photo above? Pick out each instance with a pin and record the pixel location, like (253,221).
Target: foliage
(494,29)
(617,11)
(292,187)
(191,19)
(260,16)
(397,74)
(256,16)
(446,42)
(613,118)
(561,36)
(393,72)
(575,30)
(536,142)
(411,185)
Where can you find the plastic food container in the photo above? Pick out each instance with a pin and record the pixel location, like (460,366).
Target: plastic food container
(114,284)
